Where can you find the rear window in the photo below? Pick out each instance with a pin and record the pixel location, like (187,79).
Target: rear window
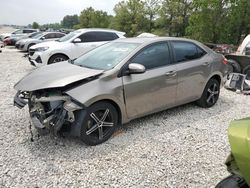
(186,51)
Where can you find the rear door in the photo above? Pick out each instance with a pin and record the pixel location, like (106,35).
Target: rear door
(193,69)
(156,88)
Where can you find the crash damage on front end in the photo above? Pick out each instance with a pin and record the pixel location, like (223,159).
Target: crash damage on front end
(49,111)
(50,108)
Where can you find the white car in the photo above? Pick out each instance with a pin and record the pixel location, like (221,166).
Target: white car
(18,33)
(25,44)
(71,46)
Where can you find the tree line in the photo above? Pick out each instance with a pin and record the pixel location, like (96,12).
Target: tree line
(215,21)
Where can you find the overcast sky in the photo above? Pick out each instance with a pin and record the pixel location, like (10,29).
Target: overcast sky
(24,12)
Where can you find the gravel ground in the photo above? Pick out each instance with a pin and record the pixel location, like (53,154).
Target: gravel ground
(180,147)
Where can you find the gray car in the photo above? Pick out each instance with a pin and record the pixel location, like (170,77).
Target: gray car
(120,81)
(25,44)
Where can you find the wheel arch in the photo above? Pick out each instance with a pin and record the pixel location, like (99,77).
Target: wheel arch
(59,53)
(117,107)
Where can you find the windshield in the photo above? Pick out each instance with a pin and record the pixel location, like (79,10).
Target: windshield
(68,36)
(33,35)
(106,56)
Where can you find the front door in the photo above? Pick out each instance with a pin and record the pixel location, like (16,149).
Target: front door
(155,89)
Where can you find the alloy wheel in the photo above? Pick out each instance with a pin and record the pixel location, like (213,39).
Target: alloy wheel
(212,94)
(100,124)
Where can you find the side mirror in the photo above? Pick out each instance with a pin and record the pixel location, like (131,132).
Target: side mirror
(43,38)
(135,68)
(77,40)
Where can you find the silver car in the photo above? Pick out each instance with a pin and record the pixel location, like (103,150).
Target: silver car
(120,81)
(25,44)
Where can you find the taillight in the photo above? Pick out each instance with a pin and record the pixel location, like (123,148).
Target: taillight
(225,61)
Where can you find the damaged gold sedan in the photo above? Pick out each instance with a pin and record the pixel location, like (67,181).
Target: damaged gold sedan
(120,81)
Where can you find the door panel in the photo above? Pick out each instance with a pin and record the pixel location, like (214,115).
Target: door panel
(156,88)
(149,92)
(193,68)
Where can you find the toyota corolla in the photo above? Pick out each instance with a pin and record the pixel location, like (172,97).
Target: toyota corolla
(120,81)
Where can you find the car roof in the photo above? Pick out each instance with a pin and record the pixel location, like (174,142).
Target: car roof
(100,30)
(47,32)
(152,39)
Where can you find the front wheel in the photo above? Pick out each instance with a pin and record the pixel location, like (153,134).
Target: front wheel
(57,58)
(210,94)
(98,124)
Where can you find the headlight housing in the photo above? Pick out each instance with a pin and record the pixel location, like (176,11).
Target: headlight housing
(41,49)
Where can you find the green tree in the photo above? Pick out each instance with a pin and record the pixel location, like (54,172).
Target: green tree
(69,21)
(209,21)
(130,17)
(152,8)
(174,16)
(239,23)
(91,18)
(35,25)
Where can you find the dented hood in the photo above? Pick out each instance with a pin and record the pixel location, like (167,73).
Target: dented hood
(55,75)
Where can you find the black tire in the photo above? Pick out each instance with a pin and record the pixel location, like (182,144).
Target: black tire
(235,66)
(92,132)
(232,181)
(210,94)
(57,58)
(246,71)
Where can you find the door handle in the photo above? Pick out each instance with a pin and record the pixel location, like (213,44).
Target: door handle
(170,73)
(206,64)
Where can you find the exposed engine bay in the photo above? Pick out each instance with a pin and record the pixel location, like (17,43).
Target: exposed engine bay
(49,111)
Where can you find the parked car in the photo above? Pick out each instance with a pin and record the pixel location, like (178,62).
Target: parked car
(19,32)
(1,44)
(120,81)
(31,35)
(71,46)
(238,162)
(25,44)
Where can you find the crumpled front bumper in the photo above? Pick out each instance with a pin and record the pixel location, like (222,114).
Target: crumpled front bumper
(19,100)
(53,120)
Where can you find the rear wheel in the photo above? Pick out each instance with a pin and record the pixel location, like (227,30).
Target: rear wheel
(234,66)
(210,94)
(57,58)
(99,123)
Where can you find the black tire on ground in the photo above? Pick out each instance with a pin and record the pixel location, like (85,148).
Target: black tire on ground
(232,181)
(246,71)
(98,123)
(210,94)
(29,46)
(57,58)
(235,66)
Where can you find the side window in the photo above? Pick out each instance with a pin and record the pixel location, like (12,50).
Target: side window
(28,31)
(89,37)
(156,55)
(50,36)
(106,36)
(59,35)
(186,51)
(98,36)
